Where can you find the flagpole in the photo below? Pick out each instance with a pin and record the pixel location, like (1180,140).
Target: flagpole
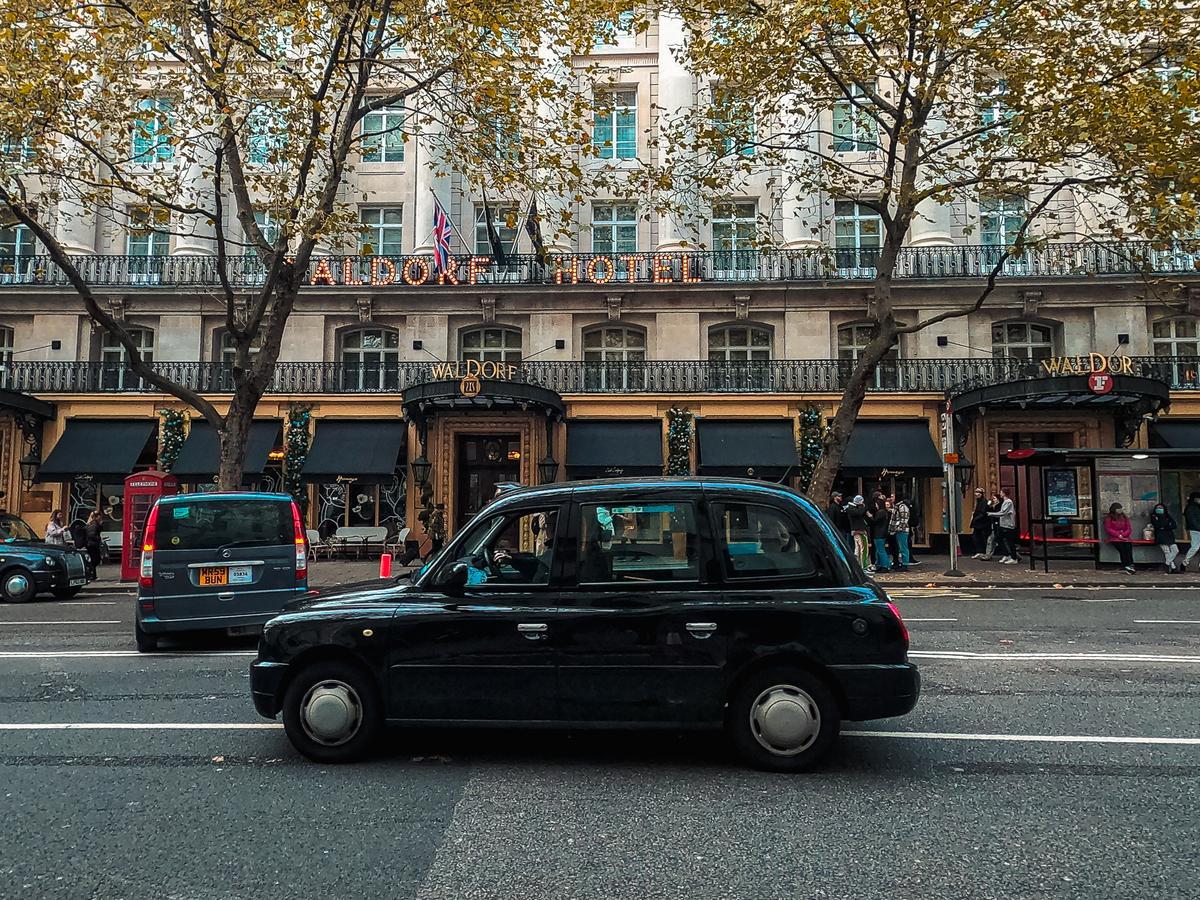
(449,219)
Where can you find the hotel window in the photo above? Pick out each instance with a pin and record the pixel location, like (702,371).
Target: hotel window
(269,225)
(1000,220)
(734,120)
(370,359)
(16,253)
(734,229)
(852,340)
(16,149)
(114,361)
(1022,340)
(993,111)
(853,127)
(226,353)
(857,237)
(614,228)
(268,133)
(615,125)
(1176,337)
(614,358)
(491,344)
(505,218)
(382,230)
(739,343)
(151,140)
(383,135)
(6,354)
(147,242)
(617,34)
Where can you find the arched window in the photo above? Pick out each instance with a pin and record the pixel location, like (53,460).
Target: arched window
(370,359)
(1022,340)
(614,358)
(114,361)
(739,354)
(224,352)
(492,343)
(852,340)
(6,355)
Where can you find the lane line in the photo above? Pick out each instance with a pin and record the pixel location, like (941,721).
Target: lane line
(88,603)
(1025,738)
(118,654)
(140,726)
(911,619)
(1166,621)
(1060,657)
(65,622)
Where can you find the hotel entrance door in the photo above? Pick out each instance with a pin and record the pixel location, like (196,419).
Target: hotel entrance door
(484,461)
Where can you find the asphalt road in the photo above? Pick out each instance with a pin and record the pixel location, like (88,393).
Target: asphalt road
(1055,753)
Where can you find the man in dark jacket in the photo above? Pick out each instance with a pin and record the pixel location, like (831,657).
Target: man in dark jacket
(1191,521)
(878,519)
(836,511)
(981,524)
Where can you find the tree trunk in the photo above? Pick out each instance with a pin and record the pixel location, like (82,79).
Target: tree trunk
(234,437)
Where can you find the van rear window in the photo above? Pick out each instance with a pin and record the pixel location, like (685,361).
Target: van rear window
(212,524)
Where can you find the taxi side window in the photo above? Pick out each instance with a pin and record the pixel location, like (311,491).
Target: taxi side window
(763,542)
(516,549)
(638,542)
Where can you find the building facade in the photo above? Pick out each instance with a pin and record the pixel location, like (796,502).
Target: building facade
(526,371)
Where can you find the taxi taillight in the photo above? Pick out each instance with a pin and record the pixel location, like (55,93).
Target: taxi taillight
(301,544)
(146,573)
(899,621)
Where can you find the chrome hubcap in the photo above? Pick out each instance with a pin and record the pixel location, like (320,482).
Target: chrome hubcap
(16,585)
(785,720)
(331,713)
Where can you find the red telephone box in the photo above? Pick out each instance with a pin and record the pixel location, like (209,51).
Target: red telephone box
(141,490)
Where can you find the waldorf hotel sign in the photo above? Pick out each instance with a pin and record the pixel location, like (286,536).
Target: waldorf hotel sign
(417,271)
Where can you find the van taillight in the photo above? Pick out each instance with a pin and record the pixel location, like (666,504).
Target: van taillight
(301,544)
(146,575)
(899,621)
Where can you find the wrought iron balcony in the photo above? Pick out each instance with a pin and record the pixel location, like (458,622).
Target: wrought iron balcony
(783,376)
(818,264)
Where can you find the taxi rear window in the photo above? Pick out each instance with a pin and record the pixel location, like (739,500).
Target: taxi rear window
(210,524)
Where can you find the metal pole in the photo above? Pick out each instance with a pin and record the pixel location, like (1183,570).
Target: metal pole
(951,497)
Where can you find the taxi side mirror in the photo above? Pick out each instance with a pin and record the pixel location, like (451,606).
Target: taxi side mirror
(455,578)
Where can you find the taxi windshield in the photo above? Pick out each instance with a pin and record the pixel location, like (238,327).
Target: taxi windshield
(13,528)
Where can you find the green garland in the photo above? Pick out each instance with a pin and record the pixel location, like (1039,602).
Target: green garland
(171,432)
(295,452)
(809,445)
(679,441)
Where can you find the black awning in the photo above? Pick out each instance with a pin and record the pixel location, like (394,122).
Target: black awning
(106,449)
(597,447)
(1181,435)
(362,449)
(753,447)
(25,403)
(201,453)
(903,448)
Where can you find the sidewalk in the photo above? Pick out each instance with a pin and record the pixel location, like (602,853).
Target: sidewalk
(931,572)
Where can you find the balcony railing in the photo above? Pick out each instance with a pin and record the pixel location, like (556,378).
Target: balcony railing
(1058,260)
(784,376)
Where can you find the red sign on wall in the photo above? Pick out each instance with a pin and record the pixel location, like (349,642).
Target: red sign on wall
(1100,382)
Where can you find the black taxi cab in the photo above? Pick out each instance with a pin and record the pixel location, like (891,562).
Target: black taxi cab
(656,603)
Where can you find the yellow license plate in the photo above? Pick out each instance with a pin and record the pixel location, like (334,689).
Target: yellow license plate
(214,575)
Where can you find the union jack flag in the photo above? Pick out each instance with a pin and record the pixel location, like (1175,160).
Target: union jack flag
(441,238)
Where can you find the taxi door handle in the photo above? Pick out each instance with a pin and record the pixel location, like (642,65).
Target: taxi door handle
(701,630)
(533,631)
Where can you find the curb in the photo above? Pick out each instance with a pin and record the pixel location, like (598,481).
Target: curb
(1058,585)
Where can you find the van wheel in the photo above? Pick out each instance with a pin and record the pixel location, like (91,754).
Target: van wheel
(66,593)
(332,712)
(17,586)
(146,643)
(783,719)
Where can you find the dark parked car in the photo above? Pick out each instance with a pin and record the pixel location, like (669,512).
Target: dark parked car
(658,602)
(218,562)
(29,566)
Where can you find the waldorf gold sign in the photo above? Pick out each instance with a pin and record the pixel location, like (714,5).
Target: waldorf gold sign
(1091,364)
(473,368)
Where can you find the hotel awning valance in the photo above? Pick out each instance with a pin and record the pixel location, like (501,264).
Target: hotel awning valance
(25,403)
(1181,435)
(900,447)
(201,453)
(360,449)
(106,449)
(751,447)
(602,448)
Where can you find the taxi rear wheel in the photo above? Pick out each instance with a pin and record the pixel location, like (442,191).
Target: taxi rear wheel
(332,712)
(783,719)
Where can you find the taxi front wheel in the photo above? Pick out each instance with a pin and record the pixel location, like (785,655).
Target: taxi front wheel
(783,719)
(332,712)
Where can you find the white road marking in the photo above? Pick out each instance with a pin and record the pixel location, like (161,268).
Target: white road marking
(911,619)
(87,603)
(1106,599)
(140,726)
(1166,621)
(66,622)
(1029,738)
(1053,657)
(117,654)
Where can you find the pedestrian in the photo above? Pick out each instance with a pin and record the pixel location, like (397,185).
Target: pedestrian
(93,540)
(898,526)
(893,546)
(878,519)
(1006,527)
(981,526)
(1191,521)
(1120,533)
(856,515)
(1164,535)
(56,529)
(836,511)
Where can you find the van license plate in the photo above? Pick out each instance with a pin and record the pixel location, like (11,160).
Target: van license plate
(213,576)
(239,574)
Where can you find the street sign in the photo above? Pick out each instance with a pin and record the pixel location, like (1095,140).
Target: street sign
(950,459)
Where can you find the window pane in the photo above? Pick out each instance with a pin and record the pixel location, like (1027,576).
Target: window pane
(512,550)
(638,543)
(760,542)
